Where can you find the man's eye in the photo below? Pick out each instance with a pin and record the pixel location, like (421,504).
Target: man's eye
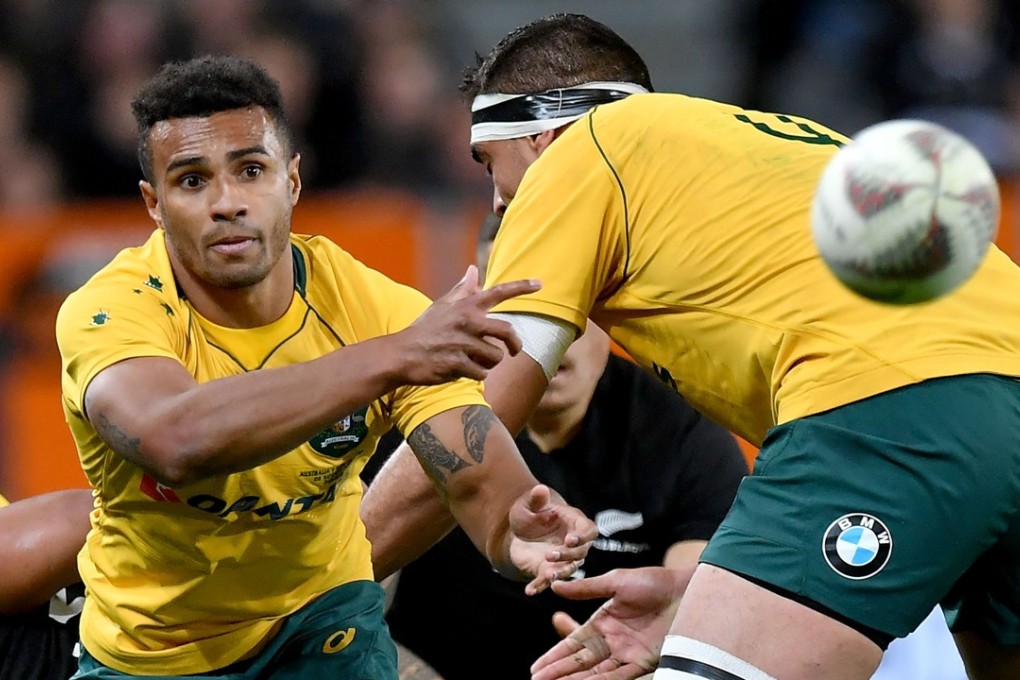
(252,171)
(191,181)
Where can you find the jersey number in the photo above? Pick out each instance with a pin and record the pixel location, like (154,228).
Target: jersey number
(810,136)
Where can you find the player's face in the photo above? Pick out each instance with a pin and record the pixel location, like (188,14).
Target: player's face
(223,189)
(580,370)
(506,161)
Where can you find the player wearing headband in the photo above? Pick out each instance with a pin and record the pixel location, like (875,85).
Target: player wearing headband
(681,226)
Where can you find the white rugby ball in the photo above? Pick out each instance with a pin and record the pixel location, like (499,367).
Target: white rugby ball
(905,212)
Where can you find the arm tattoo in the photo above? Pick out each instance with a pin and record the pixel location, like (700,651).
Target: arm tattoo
(477,422)
(433,455)
(118,440)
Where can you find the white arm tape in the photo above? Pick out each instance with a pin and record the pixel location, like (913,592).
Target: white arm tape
(545,339)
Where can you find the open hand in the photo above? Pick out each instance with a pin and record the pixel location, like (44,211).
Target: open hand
(623,638)
(550,539)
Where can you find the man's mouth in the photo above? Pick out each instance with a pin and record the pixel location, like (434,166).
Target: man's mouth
(233,245)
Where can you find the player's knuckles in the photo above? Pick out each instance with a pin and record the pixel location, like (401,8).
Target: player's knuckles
(500,329)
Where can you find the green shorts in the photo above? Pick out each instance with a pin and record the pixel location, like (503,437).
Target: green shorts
(341,634)
(875,511)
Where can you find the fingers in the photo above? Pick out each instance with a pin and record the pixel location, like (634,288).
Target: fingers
(466,305)
(550,510)
(575,546)
(564,624)
(538,498)
(615,669)
(594,587)
(484,354)
(565,571)
(472,281)
(555,572)
(563,553)
(466,287)
(498,329)
(585,531)
(537,585)
(583,649)
(504,291)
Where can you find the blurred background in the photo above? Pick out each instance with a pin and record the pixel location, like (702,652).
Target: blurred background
(370,87)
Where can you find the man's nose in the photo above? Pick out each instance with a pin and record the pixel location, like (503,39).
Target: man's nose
(498,206)
(228,201)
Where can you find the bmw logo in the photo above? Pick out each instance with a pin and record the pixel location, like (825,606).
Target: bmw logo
(857,546)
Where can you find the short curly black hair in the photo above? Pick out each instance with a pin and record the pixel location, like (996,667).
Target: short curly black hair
(201,87)
(560,50)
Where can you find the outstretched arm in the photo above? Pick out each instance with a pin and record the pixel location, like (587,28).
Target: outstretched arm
(523,528)
(402,512)
(39,542)
(153,412)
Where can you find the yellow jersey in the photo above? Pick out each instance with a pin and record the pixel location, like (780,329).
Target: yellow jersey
(682,227)
(190,579)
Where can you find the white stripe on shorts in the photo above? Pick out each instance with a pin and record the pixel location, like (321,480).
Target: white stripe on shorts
(680,655)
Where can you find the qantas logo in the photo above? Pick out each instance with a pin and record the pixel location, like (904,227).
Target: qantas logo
(220,507)
(157,491)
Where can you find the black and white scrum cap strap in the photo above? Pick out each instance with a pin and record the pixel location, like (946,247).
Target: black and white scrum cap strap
(509,116)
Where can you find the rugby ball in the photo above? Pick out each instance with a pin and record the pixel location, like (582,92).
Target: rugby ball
(905,212)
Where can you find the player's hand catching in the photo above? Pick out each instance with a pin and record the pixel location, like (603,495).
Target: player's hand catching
(549,539)
(455,338)
(623,638)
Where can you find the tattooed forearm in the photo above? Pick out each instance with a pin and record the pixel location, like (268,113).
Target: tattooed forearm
(119,441)
(477,422)
(433,455)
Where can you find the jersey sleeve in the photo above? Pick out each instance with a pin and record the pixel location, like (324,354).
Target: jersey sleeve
(101,325)
(567,227)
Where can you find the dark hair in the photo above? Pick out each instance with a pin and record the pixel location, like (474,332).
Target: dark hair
(561,50)
(201,87)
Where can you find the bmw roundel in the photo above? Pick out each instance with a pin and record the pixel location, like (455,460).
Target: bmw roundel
(857,545)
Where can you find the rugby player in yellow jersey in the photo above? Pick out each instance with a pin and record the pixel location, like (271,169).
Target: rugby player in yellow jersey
(225,383)
(889,471)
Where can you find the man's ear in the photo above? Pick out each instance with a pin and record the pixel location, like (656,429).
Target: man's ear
(294,177)
(542,140)
(151,199)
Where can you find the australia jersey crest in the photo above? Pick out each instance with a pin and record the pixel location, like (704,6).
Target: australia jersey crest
(342,436)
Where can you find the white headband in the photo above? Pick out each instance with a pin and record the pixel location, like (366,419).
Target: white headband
(530,114)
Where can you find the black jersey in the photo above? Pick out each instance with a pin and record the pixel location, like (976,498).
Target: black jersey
(648,468)
(40,644)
